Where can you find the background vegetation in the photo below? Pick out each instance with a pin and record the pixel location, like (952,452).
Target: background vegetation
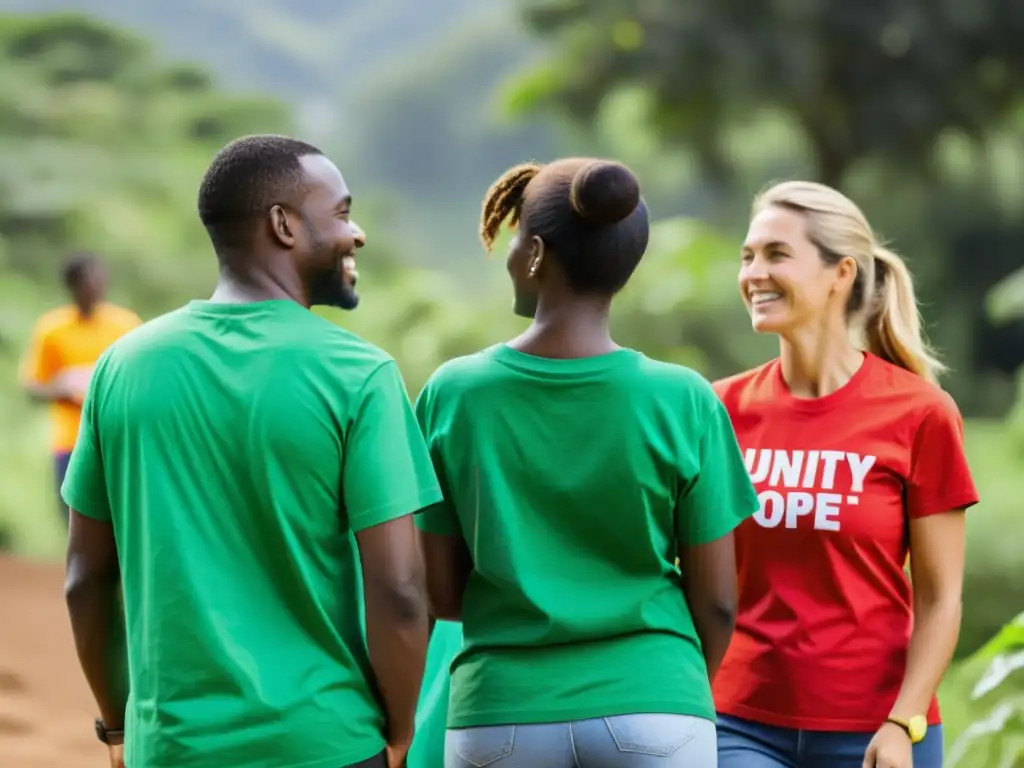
(914,108)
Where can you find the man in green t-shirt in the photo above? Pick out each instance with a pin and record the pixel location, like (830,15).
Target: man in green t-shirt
(248,472)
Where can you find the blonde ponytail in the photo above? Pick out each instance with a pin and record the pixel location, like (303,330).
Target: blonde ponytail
(893,324)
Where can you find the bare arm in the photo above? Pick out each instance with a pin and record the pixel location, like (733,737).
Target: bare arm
(937,570)
(92,595)
(709,583)
(42,373)
(448,567)
(397,629)
(55,391)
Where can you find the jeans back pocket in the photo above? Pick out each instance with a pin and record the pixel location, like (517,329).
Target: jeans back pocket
(651,734)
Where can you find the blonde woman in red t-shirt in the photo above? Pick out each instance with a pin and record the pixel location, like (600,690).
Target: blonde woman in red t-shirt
(858,458)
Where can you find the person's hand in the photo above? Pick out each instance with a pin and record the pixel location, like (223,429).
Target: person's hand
(396,755)
(62,387)
(72,384)
(116,755)
(890,748)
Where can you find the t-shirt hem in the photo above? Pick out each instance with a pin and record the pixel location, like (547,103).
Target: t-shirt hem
(476,717)
(776,720)
(338,761)
(89,511)
(710,533)
(947,504)
(429,522)
(424,497)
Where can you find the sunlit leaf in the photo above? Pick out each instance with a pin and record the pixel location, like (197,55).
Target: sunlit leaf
(1006,301)
(993,679)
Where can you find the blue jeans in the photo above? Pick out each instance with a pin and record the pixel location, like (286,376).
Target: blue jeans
(745,744)
(623,741)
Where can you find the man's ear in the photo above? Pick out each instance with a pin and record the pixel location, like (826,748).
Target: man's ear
(280,227)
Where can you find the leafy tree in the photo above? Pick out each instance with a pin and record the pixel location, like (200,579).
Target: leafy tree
(865,79)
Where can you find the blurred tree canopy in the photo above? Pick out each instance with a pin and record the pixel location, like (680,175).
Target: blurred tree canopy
(104,144)
(983,706)
(865,79)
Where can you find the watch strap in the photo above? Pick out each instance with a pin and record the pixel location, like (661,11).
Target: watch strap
(109,736)
(901,723)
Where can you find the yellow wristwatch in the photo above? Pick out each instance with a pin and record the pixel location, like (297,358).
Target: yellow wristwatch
(916,727)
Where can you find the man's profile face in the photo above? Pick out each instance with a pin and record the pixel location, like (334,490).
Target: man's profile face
(332,238)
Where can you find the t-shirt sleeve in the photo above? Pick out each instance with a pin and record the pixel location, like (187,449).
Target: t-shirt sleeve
(386,470)
(939,478)
(721,495)
(41,361)
(439,518)
(85,483)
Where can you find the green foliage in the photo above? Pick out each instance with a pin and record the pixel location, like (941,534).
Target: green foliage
(683,303)
(1006,301)
(836,67)
(994,559)
(984,704)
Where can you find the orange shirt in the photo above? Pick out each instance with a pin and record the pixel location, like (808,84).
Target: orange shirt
(825,606)
(64,340)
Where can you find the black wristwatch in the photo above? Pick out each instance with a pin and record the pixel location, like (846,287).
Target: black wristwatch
(108,736)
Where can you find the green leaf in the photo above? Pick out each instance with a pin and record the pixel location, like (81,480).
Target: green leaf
(1005,302)
(993,682)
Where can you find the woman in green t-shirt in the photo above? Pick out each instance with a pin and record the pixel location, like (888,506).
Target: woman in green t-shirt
(574,472)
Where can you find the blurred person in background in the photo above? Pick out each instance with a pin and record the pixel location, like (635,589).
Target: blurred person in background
(574,472)
(65,345)
(858,458)
(250,471)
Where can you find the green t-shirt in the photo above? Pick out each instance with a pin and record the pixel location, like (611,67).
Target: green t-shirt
(236,449)
(427,750)
(572,481)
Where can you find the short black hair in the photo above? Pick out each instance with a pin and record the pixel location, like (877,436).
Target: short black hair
(245,179)
(588,211)
(76,267)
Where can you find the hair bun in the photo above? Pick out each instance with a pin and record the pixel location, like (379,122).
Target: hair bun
(604,192)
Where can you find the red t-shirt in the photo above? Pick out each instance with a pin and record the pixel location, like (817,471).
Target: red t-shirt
(824,602)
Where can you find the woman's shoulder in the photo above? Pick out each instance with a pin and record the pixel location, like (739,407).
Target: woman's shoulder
(464,372)
(680,383)
(912,394)
(740,386)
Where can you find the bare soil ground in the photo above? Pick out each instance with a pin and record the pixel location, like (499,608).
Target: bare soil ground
(46,711)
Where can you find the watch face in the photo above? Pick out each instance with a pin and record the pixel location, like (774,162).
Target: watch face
(918,727)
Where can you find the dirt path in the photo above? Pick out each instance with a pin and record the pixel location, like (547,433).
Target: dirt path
(46,711)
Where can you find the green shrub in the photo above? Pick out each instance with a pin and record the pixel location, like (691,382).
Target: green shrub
(983,700)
